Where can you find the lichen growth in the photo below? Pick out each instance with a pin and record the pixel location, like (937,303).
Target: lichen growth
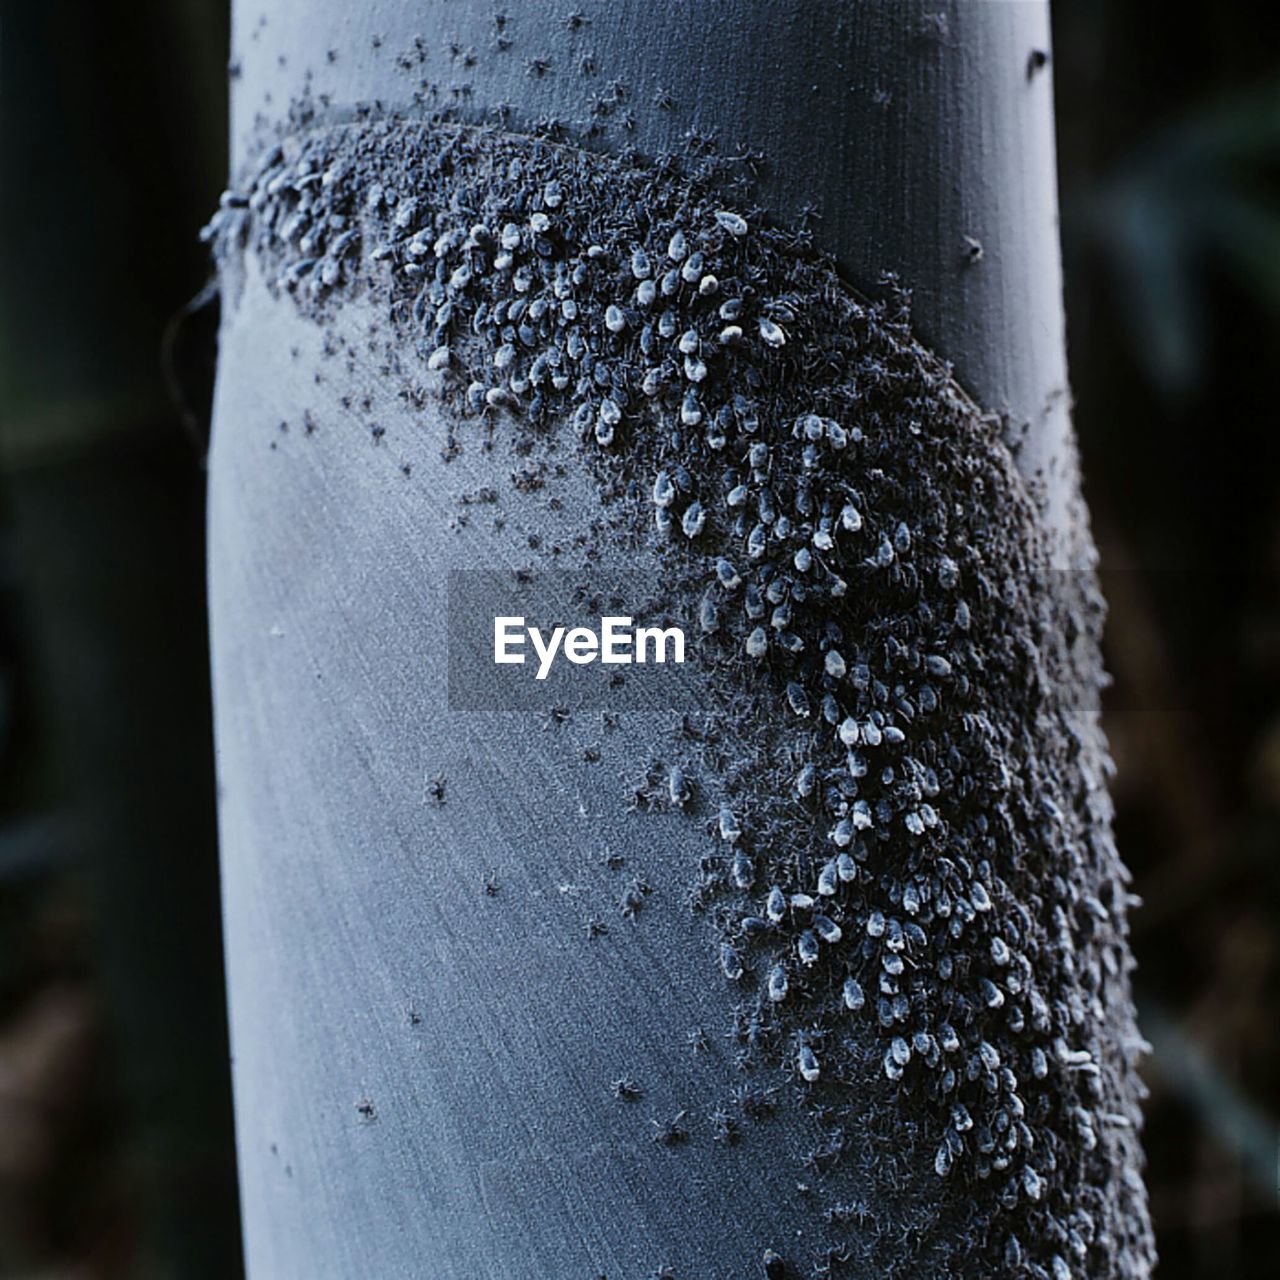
(910,873)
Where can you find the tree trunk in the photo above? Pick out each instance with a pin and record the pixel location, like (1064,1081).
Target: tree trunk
(511,995)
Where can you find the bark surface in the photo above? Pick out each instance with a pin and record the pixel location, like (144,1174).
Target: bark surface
(852,985)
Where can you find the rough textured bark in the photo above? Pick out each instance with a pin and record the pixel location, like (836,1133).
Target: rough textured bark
(441,1063)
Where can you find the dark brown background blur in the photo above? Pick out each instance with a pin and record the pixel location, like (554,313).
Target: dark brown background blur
(116,1151)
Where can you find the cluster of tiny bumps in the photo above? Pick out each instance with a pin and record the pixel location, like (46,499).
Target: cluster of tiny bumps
(917,887)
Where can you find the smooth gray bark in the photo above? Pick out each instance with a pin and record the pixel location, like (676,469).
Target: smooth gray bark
(422,1072)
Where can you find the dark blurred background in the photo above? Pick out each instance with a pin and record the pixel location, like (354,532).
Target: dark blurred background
(116,1151)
